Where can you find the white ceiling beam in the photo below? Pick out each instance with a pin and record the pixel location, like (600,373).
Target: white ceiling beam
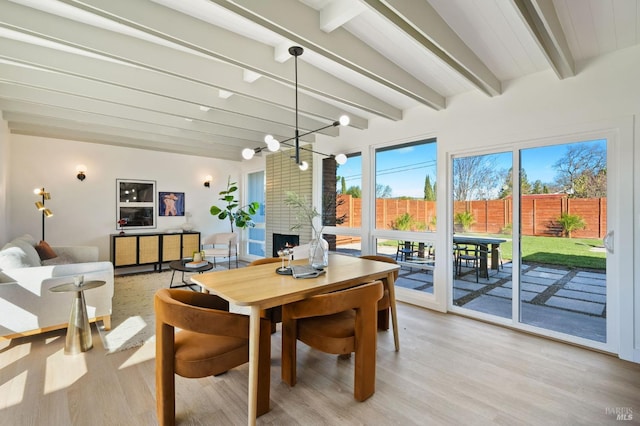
(156,57)
(337,13)
(420,21)
(143,80)
(543,23)
(82,104)
(300,24)
(57,82)
(224,45)
(19,111)
(122,140)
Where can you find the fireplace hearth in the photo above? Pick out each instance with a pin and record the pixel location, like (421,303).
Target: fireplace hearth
(281,241)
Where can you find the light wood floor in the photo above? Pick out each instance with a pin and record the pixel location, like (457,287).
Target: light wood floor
(450,371)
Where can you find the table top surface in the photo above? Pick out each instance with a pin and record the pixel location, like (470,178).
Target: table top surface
(477,240)
(261,286)
(87,285)
(179,265)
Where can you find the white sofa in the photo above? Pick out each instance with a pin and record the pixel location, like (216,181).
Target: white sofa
(26,304)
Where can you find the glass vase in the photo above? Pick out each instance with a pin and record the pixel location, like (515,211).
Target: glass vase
(319,253)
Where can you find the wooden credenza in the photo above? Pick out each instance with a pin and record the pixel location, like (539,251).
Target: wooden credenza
(152,248)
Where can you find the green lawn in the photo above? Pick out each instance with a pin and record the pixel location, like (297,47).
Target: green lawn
(571,252)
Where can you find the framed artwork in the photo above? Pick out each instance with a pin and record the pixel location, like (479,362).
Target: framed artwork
(135,204)
(171,203)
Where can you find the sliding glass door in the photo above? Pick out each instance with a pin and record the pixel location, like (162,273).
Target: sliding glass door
(482,211)
(528,245)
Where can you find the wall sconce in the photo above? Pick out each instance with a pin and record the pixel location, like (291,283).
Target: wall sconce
(81,169)
(207,181)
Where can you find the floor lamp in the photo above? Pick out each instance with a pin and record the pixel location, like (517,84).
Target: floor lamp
(40,205)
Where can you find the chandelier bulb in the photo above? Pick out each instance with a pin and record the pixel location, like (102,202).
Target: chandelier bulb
(344,120)
(304,166)
(341,159)
(248,153)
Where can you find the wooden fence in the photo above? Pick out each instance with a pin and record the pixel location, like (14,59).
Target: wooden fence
(539,214)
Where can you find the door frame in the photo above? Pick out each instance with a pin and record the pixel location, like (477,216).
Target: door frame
(618,132)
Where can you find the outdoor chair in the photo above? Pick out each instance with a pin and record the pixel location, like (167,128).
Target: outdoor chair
(210,342)
(337,323)
(472,255)
(406,249)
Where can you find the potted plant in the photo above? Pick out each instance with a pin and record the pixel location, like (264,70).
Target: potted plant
(240,216)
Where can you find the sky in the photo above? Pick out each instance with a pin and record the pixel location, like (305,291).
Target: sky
(404,169)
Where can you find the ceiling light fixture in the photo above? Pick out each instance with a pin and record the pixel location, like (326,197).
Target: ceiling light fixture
(274,145)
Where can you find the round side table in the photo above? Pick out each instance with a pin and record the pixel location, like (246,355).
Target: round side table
(179,265)
(78,331)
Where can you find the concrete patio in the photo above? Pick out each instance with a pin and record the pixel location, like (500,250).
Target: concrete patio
(571,301)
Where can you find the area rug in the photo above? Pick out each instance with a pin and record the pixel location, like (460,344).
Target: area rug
(132,318)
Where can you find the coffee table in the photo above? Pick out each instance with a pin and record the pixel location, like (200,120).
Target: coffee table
(78,331)
(179,265)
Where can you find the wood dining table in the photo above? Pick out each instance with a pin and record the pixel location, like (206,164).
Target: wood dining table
(260,287)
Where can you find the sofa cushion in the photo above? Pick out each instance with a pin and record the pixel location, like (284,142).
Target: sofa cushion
(63,259)
(19,252)
(45,251)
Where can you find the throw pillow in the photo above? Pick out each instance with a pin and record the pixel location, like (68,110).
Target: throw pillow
(13,257)
(45,251)
(30,255)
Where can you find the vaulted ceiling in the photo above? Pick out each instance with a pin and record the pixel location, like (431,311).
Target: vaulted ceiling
(211,77)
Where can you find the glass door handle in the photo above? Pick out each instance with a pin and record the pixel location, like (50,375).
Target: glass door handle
(607,241)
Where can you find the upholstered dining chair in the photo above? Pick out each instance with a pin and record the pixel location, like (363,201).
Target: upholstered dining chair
(384,303)
(210,342)
(221,245)
(340,323)
(272,314)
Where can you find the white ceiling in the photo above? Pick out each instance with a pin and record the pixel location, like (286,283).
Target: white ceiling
(138,73)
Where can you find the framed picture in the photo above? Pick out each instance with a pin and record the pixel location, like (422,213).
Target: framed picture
(171,203)
(135,204)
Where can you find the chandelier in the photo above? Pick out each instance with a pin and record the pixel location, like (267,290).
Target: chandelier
(274,145)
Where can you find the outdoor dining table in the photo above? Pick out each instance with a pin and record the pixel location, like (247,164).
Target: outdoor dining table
(483,242)
(260,287)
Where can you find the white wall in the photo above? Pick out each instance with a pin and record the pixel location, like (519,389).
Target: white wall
(4,176)
(85,212)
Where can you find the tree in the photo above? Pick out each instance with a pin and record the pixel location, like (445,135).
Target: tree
(429,193)
(343,185)
(383,191)
(582,170)
(354,191)
(474,176)
(507,187)
(570,223)
(465,219)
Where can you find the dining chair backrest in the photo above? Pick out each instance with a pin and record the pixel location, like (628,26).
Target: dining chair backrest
(210,341)
(338,323)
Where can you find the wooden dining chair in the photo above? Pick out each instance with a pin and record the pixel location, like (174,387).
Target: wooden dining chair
(210,342)
(272,314)
(384,303)
(340,323)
